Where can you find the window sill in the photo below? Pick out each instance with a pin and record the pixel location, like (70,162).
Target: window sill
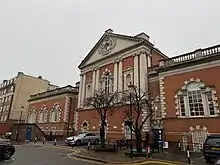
(191,117)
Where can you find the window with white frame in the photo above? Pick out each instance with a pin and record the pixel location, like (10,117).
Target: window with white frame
(107,82)
(32,115)
(55,113)
(43,115)
(128,77)
(196,100)
(88,90)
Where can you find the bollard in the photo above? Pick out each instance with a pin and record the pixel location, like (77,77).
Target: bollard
(55,141)
(179,145)
(88,145)
(35,139)
(44,140)
(148,152)
(188,155)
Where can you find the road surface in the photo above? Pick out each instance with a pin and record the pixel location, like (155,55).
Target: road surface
(38,155)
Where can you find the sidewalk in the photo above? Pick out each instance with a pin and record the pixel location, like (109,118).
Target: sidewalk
(177,156)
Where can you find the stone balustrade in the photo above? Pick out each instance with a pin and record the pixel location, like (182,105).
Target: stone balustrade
(191,56)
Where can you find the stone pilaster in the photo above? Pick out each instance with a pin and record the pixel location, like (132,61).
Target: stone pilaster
(115,76)
(80,91)
(136,71)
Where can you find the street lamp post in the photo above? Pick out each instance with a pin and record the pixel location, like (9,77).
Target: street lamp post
(18,131)
(131,124)
(130,86)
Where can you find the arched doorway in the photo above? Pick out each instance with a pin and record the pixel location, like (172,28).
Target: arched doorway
(199,135)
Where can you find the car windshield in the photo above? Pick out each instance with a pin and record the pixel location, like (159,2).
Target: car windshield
(81,135)
(213,141)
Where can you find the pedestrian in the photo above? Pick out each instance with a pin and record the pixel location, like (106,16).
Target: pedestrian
(51,133)
(35,139)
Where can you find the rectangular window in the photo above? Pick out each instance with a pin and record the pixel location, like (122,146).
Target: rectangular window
(7,107)
(210,103)
(157,113)
(195,103)
(182,106)
(12,88)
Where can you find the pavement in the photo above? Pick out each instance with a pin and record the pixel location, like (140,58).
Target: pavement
(48,154)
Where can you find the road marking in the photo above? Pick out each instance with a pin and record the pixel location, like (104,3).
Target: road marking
(154,162)
(71,156)
(198,159)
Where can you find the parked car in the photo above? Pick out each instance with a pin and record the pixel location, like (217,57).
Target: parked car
(211,148)
(217,162)
(6,150)
(82,138)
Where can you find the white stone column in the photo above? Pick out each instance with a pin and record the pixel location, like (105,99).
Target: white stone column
(149,61)
(115,76)
(143,72)
(93,81)
(83,88)
(97,80)
(120,76)
(144,87)
(80,91)
(136,75)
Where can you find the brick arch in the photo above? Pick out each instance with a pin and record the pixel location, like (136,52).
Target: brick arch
(198,128)
(106,71)
(184,87)
(85,125)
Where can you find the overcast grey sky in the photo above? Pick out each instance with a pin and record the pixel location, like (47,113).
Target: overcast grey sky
(51,37)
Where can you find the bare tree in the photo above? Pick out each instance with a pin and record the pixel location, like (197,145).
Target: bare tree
(139,102)
(103,102)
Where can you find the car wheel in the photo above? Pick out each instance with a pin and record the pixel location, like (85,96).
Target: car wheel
(8,152)
(78,142)
(207,159)
(96,141)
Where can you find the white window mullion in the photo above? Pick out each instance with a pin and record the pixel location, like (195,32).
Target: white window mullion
(187,111)
(205,105)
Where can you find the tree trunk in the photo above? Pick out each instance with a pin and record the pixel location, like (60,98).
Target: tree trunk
(102,134)
(138,141)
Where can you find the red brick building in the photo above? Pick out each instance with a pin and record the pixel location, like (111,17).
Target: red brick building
(54,110)
(185,88)
(114,62)
(189,94)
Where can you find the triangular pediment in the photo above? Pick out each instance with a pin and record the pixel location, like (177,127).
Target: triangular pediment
(107,45)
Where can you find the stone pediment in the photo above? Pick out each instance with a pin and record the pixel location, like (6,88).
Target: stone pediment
(109,44)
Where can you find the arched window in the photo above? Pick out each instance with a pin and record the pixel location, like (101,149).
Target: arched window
(128,77)
(196,100)
(43,115)
(88,90)
(32,115)
(55,113)
(107,83)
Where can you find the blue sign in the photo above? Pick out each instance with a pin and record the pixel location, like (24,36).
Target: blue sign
(161,144)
